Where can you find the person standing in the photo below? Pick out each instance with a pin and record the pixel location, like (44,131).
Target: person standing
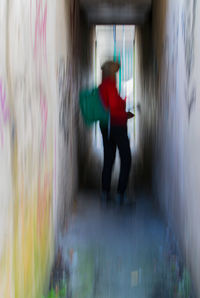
(115,135)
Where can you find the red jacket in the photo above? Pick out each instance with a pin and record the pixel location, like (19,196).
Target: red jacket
(112,101)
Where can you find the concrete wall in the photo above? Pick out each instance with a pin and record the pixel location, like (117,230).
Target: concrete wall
(39,85)
(169,95)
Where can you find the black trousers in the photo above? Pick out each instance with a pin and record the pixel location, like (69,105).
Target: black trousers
(118,139)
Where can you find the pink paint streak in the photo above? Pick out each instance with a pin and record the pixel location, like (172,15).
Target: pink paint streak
(40,27)
(44,115)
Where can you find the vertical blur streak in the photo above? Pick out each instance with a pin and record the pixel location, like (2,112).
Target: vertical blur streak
(168,91)
(33,91)
(27,149)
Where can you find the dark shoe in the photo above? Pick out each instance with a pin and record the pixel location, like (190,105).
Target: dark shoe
(119,200)
(105,198)
(122,200)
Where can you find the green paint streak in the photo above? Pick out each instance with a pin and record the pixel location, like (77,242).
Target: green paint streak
(60,293)
(86,275)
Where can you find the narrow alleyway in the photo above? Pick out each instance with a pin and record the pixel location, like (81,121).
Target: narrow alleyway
(55,240)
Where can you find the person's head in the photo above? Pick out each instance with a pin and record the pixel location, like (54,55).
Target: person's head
(109,69)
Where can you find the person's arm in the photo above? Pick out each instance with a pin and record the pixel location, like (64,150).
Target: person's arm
(130,115)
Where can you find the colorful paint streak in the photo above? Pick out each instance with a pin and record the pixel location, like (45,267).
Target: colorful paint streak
(33,235)
(36,121)
(44,115)
(40,27)
(27,244)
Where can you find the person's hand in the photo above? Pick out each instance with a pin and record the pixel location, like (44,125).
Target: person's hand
(130,115)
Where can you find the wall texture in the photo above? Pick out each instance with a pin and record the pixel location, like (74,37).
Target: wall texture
(39,83)
(169,95)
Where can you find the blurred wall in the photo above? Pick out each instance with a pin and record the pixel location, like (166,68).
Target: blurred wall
(40,50)
(88,163)
(168,93)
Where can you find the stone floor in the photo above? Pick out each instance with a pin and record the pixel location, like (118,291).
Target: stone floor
(120,253)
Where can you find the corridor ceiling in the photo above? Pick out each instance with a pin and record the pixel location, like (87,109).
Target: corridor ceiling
(107,12)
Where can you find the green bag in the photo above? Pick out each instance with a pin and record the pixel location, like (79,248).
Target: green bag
(92,108)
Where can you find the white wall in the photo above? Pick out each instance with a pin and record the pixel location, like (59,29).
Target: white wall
(38,155)
(170,101)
